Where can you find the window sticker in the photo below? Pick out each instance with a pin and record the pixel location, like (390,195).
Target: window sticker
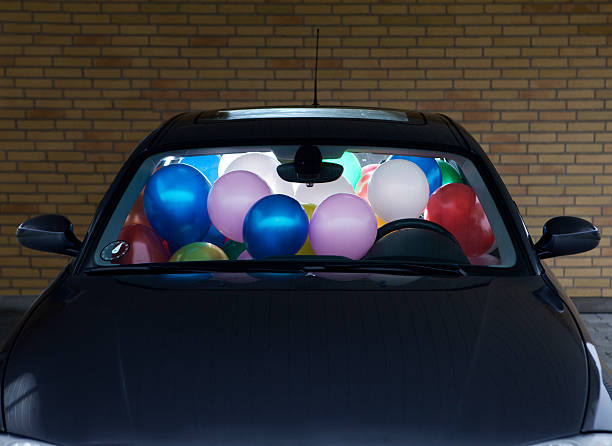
(115,250)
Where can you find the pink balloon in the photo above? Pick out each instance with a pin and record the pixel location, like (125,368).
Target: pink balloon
(231,197)
(485,259)
(244,255)
(343,225)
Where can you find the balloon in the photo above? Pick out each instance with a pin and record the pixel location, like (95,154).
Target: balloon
(175,202)
(379,222)
(365,179)
(230,199)
(233,249)
(485,260)
(449,173)
(352,168)
(306,249)
(320,191)
(264,166)
(145,246)
(343,225)
(398,189)
(429,166)
(369,169)
(361,188)
(208,165)
(137,215)
(275,226)
(215,237)
(198,251)
(245,256)
(225,161)
(456,207)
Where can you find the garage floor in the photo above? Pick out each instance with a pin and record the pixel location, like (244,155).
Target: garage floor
(600,327)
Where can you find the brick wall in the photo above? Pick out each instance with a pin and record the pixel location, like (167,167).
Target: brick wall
(82,82)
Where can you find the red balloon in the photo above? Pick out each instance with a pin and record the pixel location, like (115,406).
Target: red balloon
(145,246)
(361,188)
(456,207)
(137,214)
(369,169)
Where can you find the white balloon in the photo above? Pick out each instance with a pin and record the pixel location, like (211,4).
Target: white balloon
(225,161)
(320,191)
(398,189)
(263,165)
(283,187)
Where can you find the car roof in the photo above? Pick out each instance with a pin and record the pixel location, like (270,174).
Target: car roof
(309,125)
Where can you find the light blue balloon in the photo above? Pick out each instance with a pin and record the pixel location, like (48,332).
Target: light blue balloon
(276,225)
(175,204)
(207,164)
(429,166)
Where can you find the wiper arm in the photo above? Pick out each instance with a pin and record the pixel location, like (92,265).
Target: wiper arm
(283,266)
(198,267)
(384,267)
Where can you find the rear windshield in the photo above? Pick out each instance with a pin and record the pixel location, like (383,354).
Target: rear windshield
(230,204)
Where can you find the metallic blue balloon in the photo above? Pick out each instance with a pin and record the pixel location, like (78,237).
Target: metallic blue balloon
(215,237)
(276,225)
(175,203)
(207,164)
(429,167)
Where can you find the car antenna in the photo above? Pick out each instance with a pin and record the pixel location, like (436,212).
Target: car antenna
(314,102)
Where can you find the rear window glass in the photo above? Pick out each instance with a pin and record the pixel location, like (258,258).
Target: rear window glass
(230,204)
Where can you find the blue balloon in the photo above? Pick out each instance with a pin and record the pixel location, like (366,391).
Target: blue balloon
(428,166)
(276,225)
(175,204)
(215,237)
(207,164)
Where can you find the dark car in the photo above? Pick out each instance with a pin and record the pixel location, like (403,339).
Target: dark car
(305,276)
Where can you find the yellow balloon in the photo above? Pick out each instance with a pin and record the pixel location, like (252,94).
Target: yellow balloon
(309,208)
(198,251)
(306,249)
(379,221)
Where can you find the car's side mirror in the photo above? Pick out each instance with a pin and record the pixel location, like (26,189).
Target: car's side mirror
(51,233)
(566,235)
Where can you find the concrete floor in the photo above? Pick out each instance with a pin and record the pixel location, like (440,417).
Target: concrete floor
(600,327)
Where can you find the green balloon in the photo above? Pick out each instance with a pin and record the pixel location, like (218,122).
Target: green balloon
(449,173)
(233,249)
(352,167)
(198,251)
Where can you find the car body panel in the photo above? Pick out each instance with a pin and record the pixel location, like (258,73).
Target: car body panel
(288,359)
(333,358)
